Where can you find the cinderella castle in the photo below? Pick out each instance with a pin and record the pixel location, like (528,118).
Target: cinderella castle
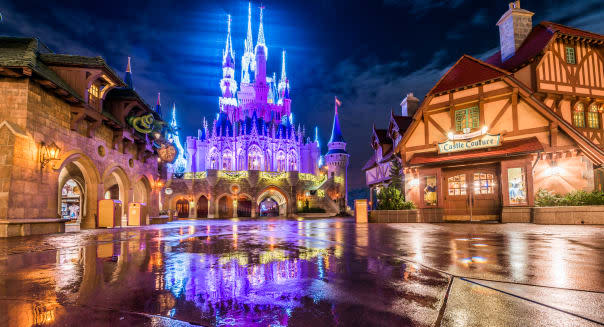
(252,160)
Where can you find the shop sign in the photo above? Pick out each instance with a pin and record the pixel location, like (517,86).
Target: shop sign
(485,141)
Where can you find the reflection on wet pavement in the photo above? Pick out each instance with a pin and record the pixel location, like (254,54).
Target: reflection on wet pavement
(324,272)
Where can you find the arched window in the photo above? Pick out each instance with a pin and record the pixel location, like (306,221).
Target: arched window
(227,160)
(593,116)
(268,162)
(241,160)
(579,115)
(254,160)
(213,161)
(292,160)
(281,161)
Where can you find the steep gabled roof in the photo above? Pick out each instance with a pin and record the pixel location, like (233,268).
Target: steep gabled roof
(370,163)
(467,71)
(536,42)
(381,136)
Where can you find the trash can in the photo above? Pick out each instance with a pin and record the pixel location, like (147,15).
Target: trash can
(110,213)
(137,214)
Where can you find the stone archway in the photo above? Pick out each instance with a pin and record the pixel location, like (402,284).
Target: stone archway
(267,197)
(182,208)
(116,185)
(244,205)
(224,208)
(142,191)
(202,207)
(79,168)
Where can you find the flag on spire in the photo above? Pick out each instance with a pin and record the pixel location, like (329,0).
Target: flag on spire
(338,104)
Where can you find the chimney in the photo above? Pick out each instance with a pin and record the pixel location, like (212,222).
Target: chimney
(514,26)
(409,105)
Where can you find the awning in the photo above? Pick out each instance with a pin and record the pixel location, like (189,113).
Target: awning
(507,149)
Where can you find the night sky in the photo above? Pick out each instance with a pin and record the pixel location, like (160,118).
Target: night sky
(368,53)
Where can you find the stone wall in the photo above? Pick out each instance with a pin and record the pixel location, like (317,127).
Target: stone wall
(29,191)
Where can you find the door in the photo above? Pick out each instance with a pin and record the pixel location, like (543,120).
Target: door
(472,194)
(202,207)
(244,207)
(225,207)
(182,207)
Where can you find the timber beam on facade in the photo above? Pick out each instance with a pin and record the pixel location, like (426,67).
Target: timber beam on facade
(486,97)
(79,114)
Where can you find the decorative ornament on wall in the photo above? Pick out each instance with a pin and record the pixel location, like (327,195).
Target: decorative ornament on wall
(167,152)
(168,191)
(146,124)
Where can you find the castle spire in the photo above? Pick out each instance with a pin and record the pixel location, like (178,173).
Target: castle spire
(283,81)
(261,42)
(128,75)
(336,132)
(158,106)
(247,60)
(228,85)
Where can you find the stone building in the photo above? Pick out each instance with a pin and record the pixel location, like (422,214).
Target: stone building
(491,133)
(78,107)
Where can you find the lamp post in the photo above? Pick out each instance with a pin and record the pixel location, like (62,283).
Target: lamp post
(48,153)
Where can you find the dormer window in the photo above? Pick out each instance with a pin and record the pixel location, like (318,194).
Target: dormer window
(570,56)
(93,92)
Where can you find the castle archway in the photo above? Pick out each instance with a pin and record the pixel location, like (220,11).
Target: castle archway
(244,206)
(202,207)
(182,208)
(272,201)
(77,170)
(225,207)
(117,186)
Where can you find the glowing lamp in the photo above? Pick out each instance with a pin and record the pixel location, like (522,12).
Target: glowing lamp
(553,171)
(450,135)
(48,153)
(414,182)
(484,129)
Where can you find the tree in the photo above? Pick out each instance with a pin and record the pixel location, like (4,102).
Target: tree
(396,173)
(391,198)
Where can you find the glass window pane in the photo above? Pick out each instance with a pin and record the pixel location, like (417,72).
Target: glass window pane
(516,186)
(430,197)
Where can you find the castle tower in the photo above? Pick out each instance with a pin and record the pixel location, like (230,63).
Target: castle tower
(128,75)
(228,85)
(260,84)
(158,105)
(337,159)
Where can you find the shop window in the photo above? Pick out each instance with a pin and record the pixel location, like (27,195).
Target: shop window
(593,116)
(468,118)
(484,183)
(570,56)
(71,198)
(516,186)
(457,185)
(430,198)
(579,115)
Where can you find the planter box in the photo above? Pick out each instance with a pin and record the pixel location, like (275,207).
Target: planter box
(24,227)
(516,214)
(575,215)
(394,216)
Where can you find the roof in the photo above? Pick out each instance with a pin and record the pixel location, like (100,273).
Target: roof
(335,151)
(402,122)
(369,164)
(54,59)
(336,132)
(509,148)
(535,43)
(467,71)
(382,136)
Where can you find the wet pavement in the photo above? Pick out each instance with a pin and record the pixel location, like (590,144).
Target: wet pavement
(322,272)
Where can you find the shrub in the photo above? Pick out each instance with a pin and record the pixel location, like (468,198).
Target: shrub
(391,198)
(545,198)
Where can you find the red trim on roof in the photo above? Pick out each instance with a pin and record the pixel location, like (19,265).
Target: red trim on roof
(516,147)
(467,71)
(572,31)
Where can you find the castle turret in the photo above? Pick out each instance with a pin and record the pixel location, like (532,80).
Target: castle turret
(247,60)
(228,85)
(337,159)
(260,84)
(158,105)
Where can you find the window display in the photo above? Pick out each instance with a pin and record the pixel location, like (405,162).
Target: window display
(430,198)
(71,195)
(516,186)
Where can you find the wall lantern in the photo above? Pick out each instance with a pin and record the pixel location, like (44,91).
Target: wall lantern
(553,170)
(48,153)
(414,182)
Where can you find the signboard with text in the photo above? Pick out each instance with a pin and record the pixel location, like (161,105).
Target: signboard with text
(485,141)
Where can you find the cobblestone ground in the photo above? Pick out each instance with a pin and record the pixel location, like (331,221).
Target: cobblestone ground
(322,272)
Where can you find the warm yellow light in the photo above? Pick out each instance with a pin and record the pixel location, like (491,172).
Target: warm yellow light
(49,153)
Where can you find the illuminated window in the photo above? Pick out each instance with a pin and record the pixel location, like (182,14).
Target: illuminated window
(579,115)
(467,118)
(593,116)
(483,183)
(93,93)
(281,164)
(430,198)
(570,56)
(457,185)
(516,186)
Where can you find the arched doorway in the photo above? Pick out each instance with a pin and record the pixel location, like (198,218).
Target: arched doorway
(182,208)
(272,202)
(117,186)
(268,208)
(225,207)
(77,170)
(244,206)
(202,207)
(142,189)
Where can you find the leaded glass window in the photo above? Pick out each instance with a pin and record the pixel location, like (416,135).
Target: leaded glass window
(483,183)
(457,184)
(570,55)
(593,116)
(579,115)
(467,118)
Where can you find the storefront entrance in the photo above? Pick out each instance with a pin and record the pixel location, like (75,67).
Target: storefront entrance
(472,194)
(182,208)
